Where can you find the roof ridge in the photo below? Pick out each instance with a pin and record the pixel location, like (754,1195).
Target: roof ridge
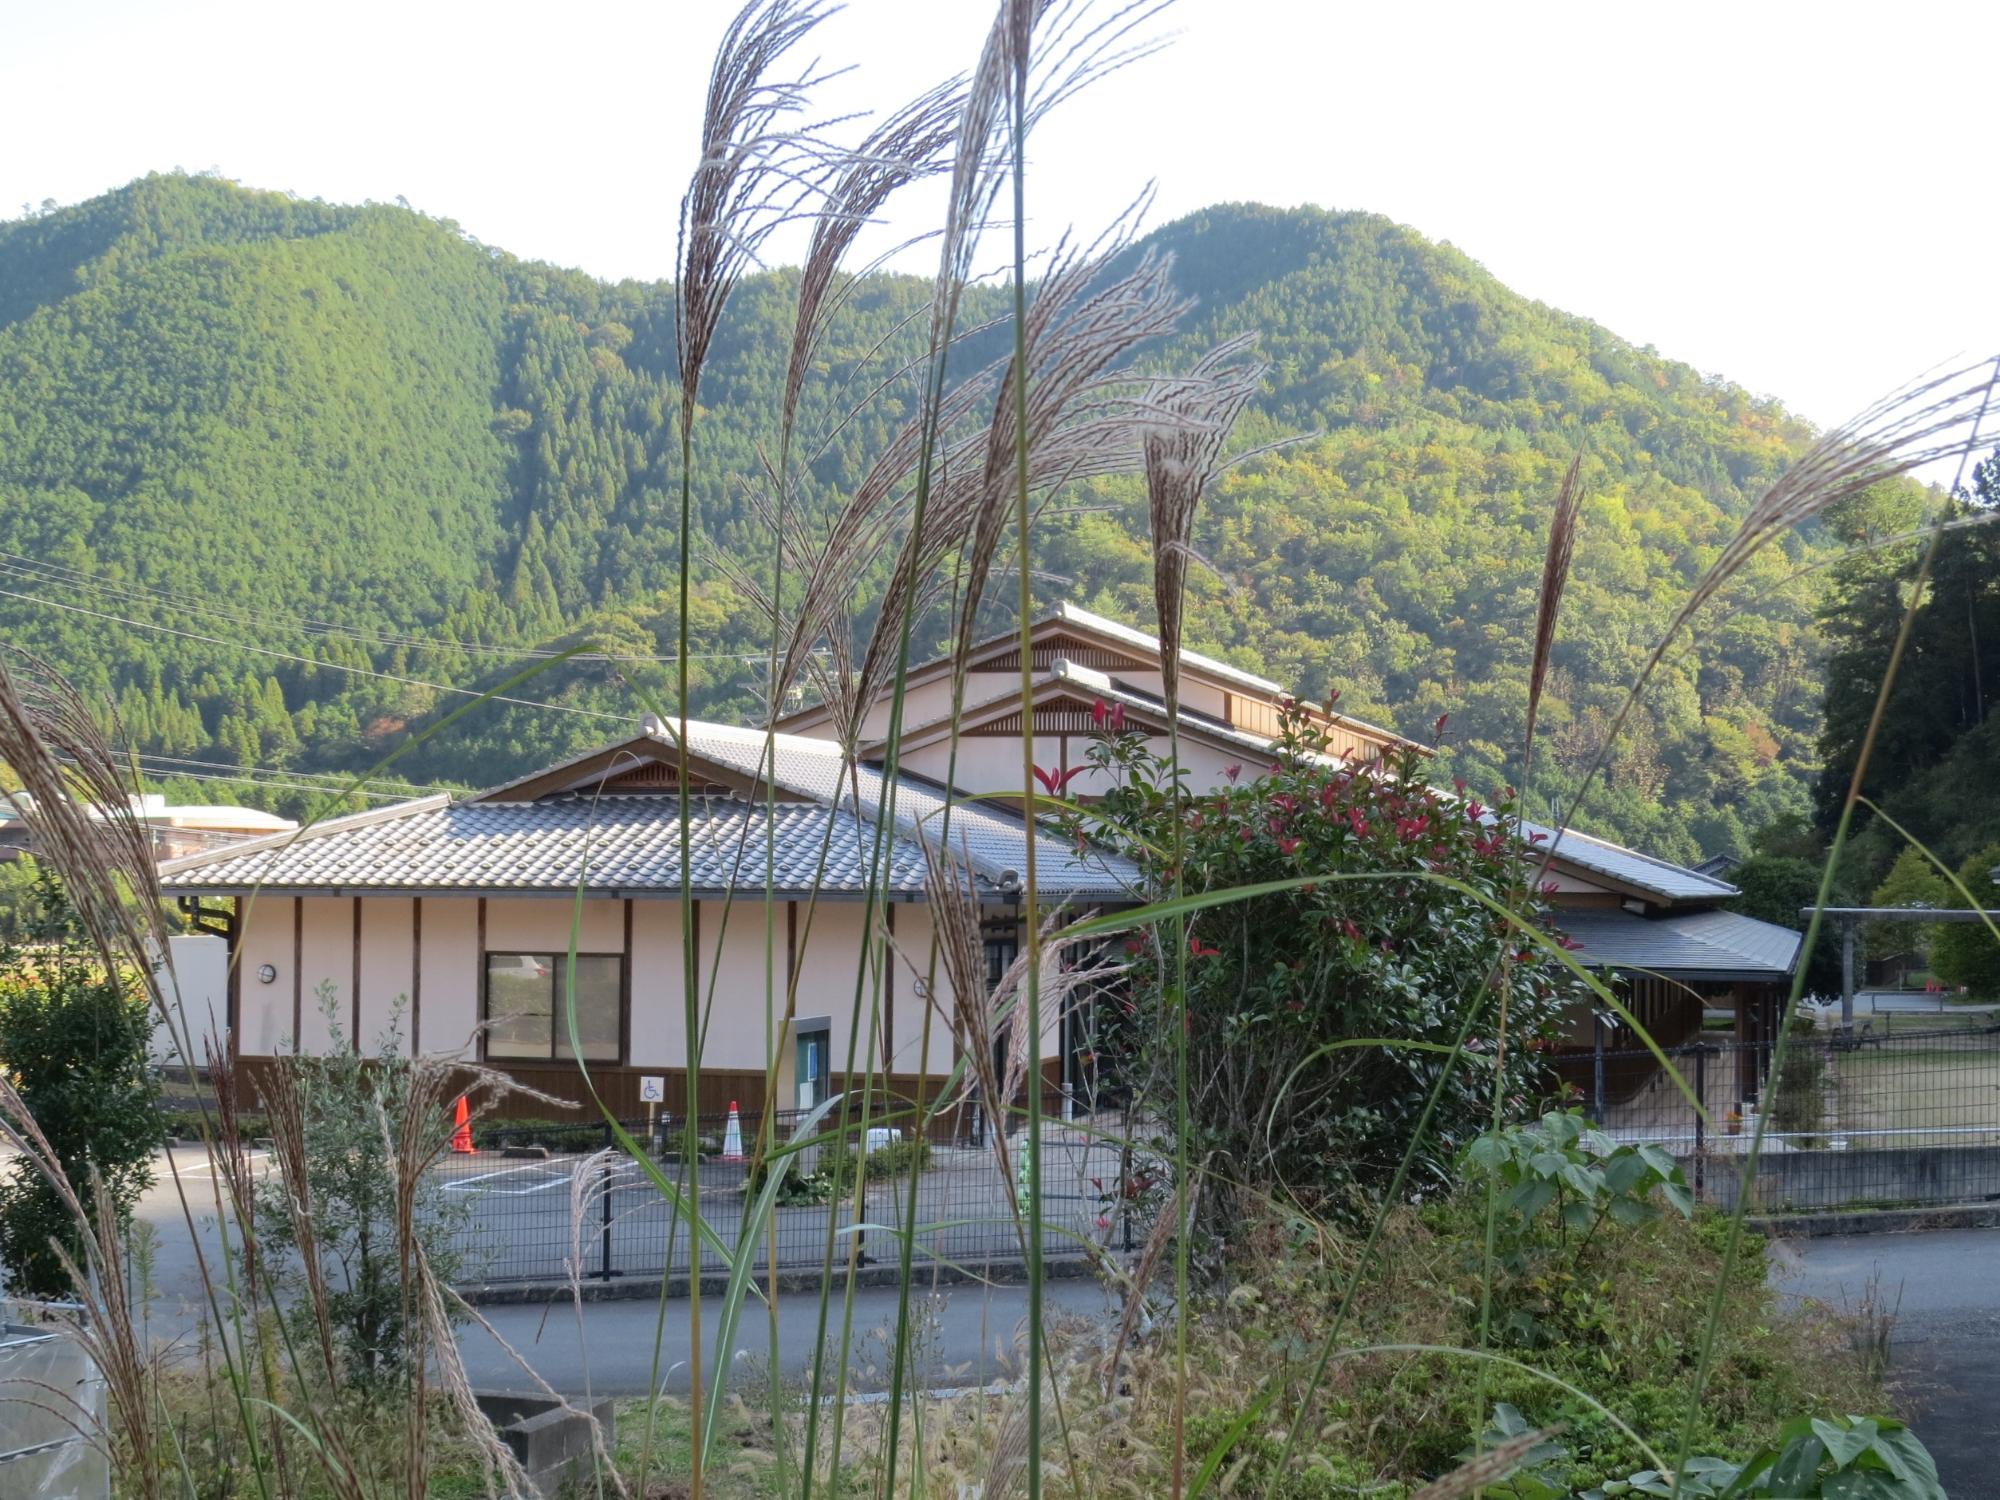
(307,831)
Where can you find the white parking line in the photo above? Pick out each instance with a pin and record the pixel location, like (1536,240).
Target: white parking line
(207,1169)
(621,1174)
(458,1183)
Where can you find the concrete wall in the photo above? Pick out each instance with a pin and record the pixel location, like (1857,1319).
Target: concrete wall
(1802,1180)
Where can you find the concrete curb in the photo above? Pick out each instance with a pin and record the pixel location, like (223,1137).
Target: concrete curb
(1876,1221)
(632,1288)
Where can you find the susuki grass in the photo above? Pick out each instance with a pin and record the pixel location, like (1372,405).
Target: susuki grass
(1367,1357)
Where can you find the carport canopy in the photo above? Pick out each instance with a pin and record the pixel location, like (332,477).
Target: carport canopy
(1851,919)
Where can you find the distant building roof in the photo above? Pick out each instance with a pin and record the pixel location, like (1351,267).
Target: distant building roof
(1702,945)
(1657,877)
(1103,625)
(247,820)
(525,836)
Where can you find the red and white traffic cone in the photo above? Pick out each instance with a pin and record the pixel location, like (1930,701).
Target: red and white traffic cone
(732,1136)
(461,1136)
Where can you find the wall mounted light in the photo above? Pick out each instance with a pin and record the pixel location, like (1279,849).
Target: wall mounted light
(266,973)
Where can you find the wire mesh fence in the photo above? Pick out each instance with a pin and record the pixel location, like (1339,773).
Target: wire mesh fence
(1873,1118)
(543,1202)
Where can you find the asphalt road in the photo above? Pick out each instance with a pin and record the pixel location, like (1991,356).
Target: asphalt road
(1945,1346)
(966,1335)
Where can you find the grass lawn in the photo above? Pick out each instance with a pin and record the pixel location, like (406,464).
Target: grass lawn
(1942,1095)
(743,1469)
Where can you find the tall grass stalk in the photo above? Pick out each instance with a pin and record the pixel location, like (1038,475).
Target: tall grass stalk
(1705,1360)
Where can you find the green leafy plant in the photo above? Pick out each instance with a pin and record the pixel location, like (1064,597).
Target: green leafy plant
(334,1115)
(885,1163)
(75,1039)
(1839,1458)
(1560,1162)
(1797,1093)
(1327,1009)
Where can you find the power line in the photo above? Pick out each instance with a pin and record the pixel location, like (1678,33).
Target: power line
(223,765)
(311,781)
(268,785)
(279,786)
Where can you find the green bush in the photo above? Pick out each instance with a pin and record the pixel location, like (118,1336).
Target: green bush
(1381,952)
(1797,1094)
(351,1200)
(885,1163)
(186,1125)
(552,1135)
(76,1041)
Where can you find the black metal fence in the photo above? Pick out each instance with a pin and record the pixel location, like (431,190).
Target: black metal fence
(541,1202)
(1882,1116)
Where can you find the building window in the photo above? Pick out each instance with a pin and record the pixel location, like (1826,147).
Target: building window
(527,1013)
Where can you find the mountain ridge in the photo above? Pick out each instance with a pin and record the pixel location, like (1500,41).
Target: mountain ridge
(307,412)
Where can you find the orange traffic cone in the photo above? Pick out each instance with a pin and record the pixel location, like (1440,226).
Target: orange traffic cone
(732,1136)
(461,1137)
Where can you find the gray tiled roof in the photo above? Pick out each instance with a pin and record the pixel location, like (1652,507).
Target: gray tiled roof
(1702,944)
(612,844)
(632,842)
(995,840)
(1669,881)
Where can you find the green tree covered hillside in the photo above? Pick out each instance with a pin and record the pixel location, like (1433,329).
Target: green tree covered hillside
(394,462)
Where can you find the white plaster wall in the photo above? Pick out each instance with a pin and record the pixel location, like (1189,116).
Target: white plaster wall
(448,1003)
(265,1025)
(326,957)
(913,942)
(540,924)
(388,971)
(922,702)
(196,987)
(659,1019)
(1207,766)
(830,948)
(988,765)
(733,972)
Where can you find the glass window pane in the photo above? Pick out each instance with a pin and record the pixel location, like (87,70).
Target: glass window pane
(520,991)
(598,1019)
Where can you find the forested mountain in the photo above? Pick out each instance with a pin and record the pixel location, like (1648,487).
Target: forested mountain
(1936,757)
(253,450)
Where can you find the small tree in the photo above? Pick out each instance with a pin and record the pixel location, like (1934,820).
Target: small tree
(1912,881)
(1966,953)
(1275,984)
(1776,888)
(75,1039)
(338,1185)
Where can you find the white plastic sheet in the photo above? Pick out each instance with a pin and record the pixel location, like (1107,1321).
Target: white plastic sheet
(51,1418)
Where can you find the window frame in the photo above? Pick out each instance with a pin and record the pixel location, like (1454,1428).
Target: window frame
(558,963)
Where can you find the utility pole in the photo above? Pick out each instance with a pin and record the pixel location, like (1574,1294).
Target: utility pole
(1847,974)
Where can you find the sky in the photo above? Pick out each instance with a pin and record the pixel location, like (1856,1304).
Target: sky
(1798,197)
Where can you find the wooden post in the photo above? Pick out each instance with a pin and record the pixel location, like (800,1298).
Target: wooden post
(1742,997)
(1597,1069)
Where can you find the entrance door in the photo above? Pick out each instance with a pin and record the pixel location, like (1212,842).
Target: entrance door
(814,1048)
